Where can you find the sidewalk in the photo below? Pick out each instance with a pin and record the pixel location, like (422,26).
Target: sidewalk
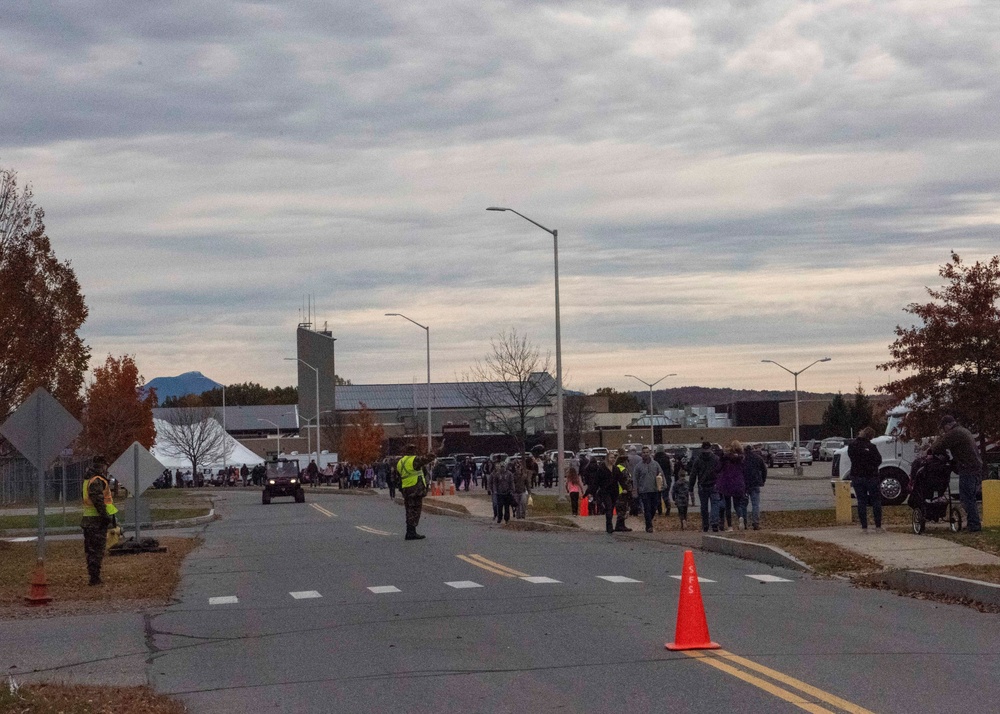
(899,550)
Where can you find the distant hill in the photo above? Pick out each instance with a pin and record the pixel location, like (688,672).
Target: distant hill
(182,384)
(713,396)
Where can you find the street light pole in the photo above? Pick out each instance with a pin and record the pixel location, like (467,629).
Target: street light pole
(430,447)
(277,433)
(651,385)
(225,463)
(560,434)
(316,370)
(795,375)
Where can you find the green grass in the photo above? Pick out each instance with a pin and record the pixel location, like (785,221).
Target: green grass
(548,506)
(55,520)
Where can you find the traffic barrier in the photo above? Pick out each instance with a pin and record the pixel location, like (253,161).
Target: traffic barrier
(842,499)
(584,507)
(38,593)
(691,632)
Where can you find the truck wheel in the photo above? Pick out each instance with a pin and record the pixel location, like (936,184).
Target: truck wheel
(892,486)
(265,498)
(300,496)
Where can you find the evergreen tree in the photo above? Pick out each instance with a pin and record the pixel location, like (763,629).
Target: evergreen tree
(837,417)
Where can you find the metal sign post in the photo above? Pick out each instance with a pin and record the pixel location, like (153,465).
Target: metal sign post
(40,428)
(139,467)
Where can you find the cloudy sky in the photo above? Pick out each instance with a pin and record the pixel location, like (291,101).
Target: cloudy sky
(731,181)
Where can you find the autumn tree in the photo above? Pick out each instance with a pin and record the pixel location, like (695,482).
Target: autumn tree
(620,402)
(363,436)
(509,386)
(194,434)
(117,410)
(41,308)
(950,362)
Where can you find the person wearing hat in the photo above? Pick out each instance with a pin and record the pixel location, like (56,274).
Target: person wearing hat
(98,510)
(960,442)
(413,486)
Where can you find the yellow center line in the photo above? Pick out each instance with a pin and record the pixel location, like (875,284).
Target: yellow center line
(322,510)
(498,566)
(780,693)
(836,701)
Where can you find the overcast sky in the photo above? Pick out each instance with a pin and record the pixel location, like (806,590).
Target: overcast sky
(731,181)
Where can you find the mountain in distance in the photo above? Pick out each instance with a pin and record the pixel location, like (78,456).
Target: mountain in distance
(716,396)
(182,384)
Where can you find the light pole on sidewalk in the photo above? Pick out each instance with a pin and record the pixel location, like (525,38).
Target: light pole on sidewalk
(560,433)
(430,447)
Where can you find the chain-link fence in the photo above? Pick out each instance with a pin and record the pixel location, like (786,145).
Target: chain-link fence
(19,482)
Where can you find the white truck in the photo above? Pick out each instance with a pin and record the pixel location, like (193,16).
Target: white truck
(897,453)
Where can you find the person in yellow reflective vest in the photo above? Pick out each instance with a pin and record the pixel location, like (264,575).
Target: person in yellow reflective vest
(413,486)
(623,480)
(98,510)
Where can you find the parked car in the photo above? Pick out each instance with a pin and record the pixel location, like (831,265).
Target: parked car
(805,456)
(827,448)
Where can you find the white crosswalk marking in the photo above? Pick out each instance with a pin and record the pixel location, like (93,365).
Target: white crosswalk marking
(700,579)
(539,579)
(769,578)
(618,579)
(305,594)
(462,584)
(225,600)
(380,589)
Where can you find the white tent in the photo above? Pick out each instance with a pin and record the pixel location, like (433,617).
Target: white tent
(238,454)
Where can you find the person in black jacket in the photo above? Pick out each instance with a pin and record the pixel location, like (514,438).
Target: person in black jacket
(704,470)
(607,490)
(755,475)
(865,461)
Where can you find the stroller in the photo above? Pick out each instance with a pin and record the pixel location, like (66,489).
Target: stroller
(930,494)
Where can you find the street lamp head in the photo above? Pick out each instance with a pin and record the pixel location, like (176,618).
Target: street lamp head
(497,208)
(392,314)
(826,359)
(768,360)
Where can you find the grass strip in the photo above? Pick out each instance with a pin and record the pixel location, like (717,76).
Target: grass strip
(39,698)
(824,558)
(147,576)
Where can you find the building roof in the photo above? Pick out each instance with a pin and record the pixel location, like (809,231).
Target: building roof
(444,395)
(249,418)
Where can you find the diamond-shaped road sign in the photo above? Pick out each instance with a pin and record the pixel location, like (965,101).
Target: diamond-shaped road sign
(124,468)
(40,428)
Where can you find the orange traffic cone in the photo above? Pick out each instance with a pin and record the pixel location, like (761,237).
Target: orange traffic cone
(584,508)
(38,594)
(692,626)
(451,490)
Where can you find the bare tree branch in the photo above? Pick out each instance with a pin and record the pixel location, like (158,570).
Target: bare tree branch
(195,434)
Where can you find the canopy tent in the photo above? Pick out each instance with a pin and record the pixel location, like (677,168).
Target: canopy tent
(238,454)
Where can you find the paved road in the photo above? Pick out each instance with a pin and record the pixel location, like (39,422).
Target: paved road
(322,607)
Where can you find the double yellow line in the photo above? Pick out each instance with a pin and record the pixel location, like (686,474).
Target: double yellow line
(322,510)
(727,662)
(494,567)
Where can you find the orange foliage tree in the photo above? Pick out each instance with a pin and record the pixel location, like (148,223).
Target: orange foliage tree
(363,437)
(117,412)
(41,308)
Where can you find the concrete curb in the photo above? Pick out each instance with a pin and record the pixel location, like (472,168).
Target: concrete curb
(938,584)
(183,523)
(761,552)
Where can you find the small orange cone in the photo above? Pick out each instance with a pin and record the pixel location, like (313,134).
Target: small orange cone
(451,490)
(692,626)
(38,594)
(584,508)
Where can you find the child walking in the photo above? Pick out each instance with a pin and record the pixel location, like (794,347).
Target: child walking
(680,494)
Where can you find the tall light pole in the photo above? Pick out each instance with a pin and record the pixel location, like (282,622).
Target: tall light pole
(309,421)
(277,433)
(560,434)
(319,451)
(795,446)
(225,450)
(427,329)
(651,385)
